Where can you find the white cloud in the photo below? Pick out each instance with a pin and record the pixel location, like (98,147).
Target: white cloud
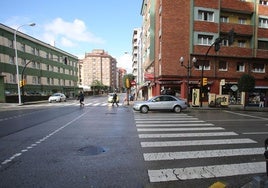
(125,61)
(69,34)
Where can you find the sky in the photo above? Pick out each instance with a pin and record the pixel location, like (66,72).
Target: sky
(79,26)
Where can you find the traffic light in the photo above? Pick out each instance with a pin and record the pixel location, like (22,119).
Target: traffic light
(205,81)
(127,83)
(217,44)
(21,83)
(231,37)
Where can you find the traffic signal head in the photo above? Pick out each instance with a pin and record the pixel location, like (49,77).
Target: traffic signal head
(205,81)
(217,44)
(231,37)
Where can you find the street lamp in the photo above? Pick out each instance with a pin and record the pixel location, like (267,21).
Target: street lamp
(188,67)
(16,58)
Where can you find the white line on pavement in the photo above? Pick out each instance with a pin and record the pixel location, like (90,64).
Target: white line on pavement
(256,133)
(246,115)
(197,142)
(180,129)
(186,135)
(181,124)
(202,172)
(166,121)
(202,154)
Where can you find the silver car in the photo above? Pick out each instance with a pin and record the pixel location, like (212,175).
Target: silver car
(57,97)
(161,102)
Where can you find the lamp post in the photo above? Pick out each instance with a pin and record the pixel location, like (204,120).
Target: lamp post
(188,67)
(16,58)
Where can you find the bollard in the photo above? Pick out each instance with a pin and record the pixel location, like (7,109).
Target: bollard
(266,154)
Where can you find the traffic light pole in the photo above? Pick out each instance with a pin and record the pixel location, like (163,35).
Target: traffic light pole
(22,85)
(216,44)
(202,75)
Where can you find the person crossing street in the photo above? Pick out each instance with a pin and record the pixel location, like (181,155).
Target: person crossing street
(115,99)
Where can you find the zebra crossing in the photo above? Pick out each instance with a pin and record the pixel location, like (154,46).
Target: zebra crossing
(162,137)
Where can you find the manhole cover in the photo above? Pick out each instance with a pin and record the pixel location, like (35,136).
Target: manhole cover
(91,150)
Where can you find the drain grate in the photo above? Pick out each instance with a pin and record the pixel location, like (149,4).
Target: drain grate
(91,150)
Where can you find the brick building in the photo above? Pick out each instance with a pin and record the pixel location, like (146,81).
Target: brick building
(188,29)
(99,66)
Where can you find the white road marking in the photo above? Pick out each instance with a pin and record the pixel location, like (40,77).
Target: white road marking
(201,172)
(165,120)
(186,135)
(256,133)
(181,124)
(202,154)
(180,129)
(197,142)
(39,141)
(246,115)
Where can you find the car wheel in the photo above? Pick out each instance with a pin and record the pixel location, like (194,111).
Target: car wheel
(144,109)
(177,109)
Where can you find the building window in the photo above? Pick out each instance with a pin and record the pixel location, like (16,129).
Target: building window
(34,64)
(199,64)
(263,22)
(23,62)
(242,20)
(206,15)
(263,2)
(10,43)
(22,46)
(258,67)
(12,78)
(222,66)
(34,80)
(240,67)
(242,43)
(205,39)
(32,50)
(11,60)
(224,19)
(263,45)
(38,65)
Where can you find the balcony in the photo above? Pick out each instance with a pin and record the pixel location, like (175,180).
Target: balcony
(240,29)
(237,6)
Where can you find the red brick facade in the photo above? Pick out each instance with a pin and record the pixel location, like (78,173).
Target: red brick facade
(177,28)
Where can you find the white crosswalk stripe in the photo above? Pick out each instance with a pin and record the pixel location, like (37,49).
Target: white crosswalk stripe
(171,131)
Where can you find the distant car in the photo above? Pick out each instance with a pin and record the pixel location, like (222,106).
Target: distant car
(57,97)
(161,102)
(110,98)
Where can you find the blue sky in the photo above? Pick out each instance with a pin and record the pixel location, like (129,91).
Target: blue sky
(78,26)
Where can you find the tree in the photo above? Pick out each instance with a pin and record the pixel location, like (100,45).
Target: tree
(98,86)
(246,84)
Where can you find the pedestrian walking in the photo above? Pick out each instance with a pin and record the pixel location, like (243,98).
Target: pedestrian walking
(261,104)
(115,99)
(81,98)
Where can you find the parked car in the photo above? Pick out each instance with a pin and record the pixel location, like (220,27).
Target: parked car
(110,98)
(161,102)
(57,97)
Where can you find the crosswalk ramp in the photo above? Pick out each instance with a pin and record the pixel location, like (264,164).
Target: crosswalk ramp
(171,142)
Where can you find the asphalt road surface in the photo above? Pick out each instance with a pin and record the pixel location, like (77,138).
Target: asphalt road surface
(64,145)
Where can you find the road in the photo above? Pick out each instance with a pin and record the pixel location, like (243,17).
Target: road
(202,147)
(63,145)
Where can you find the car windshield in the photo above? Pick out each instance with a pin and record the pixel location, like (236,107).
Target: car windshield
(56,94)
